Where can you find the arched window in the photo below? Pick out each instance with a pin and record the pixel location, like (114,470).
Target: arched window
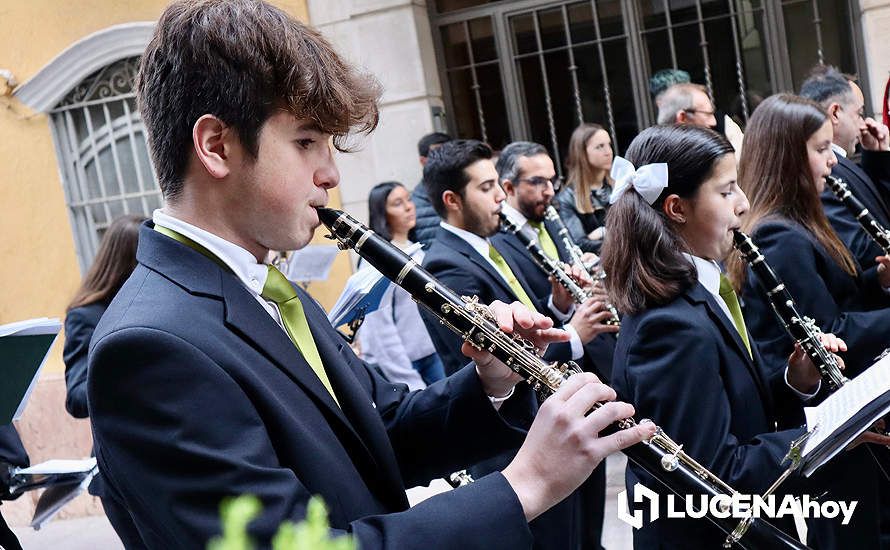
(103,154)
(87,93)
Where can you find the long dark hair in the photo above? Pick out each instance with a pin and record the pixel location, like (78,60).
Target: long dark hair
(774,173)
(114,262)
(643,253)
(377,208)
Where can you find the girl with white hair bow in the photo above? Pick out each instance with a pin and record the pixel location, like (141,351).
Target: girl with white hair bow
(684,357)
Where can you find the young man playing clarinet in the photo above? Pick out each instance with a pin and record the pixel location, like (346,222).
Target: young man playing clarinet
(210,375)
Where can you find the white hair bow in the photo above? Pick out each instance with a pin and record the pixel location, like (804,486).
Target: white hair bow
(648,180)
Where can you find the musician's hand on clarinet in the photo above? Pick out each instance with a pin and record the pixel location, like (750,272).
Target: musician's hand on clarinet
(883,271)
(562,298)
(498,379)
(589,258)
(590,318)
(579,275)
(802,373)
(563,445)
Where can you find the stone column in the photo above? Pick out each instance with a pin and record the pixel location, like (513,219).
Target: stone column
(392,39)
(875,29)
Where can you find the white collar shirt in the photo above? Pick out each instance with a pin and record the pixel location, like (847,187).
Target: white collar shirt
(243,264)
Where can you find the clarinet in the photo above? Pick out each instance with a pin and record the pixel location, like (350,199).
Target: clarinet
(803,330)
(660,456)
(552,215)
(547,264)
(875,230)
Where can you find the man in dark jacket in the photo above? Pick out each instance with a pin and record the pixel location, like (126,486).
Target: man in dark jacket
(869,181)
(427,218)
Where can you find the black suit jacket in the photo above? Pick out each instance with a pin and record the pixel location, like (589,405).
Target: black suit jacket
(853,308)
(684,366)
(870,188)
(454,262)
(598,353)
(197,394)
(80,322)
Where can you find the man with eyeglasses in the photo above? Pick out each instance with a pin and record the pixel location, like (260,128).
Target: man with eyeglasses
(687,104)
(463,187)
(528,177)
(869,181)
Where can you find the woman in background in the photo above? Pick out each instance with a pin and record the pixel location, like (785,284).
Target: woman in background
(393,338)
(114,262)
(584,201)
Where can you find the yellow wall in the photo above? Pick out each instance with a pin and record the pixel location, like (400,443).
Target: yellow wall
(40,271)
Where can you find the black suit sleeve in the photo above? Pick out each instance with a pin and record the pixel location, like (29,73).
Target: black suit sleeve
(688,400)
(79,327)
(223,448)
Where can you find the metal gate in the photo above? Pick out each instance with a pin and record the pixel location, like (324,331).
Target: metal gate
(535,69)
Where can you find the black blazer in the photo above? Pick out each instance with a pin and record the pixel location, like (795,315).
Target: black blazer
(598,353)
(196,394)
(853,308)
(12,451)
(867,187)
(454,262)
(80,322)
(684,366)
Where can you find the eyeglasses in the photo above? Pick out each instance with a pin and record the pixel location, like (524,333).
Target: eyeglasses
(702,111)
(539,181)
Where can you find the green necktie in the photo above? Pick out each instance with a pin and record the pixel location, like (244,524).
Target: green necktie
(511,278)
(279,290)
(732,301)
(547,244)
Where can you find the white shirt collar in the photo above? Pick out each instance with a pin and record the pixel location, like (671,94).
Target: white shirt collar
(709,277)
(242,263)
(478,243)
(838,150)
(708,273)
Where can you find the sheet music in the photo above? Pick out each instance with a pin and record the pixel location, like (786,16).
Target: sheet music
(365,287)
(311,263)
(32,327)
(40,325)
(843,404)
(60,466)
